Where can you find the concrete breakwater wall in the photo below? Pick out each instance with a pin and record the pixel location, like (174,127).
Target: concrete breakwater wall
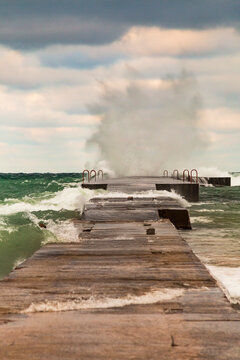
(219,181)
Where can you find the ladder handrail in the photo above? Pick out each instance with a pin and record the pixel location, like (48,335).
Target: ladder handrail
(165,172)
(192,176)
(174,173)
(98,173)
(95,174)
(83,175)
(184,174)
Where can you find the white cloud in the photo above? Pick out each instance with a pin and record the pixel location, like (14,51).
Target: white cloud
(156,41)
(43,108)
(222,119)
(32,108)
(146,41)
(25,70)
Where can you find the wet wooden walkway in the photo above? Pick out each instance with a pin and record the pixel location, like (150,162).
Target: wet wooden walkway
(130,288)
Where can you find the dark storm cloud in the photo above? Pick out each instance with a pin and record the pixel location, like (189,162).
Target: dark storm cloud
(36,23)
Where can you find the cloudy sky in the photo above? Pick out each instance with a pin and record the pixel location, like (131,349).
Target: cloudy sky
(55,56)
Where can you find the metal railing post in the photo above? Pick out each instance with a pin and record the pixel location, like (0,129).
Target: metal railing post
(174,173)
(187,175)
(83,174)
(191,177)
(100,172)
(95,174)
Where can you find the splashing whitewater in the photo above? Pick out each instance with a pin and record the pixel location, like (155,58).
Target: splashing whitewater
(149,125)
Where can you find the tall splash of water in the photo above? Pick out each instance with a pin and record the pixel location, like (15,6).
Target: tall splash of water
(149,125)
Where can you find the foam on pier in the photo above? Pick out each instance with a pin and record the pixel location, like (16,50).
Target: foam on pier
(93,302)
(229,280)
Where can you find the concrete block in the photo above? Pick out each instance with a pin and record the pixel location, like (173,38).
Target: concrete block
(94,186)
(189,191)
(219,181)
(179,217)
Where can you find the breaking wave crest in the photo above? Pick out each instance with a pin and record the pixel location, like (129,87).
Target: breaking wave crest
(70,198)
(146,194)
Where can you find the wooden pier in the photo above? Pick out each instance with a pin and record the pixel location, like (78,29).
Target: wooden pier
(130,288)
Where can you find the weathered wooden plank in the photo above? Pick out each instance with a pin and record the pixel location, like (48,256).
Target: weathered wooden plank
(125,336)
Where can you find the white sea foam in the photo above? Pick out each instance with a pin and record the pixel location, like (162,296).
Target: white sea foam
(200,219)
(70,198)
(63,231)
(235,180)
(121,237)
(151,297)
(145,194)
(200,203)
(9,229)
(59,231)
(228,279)
(18,262)
(210,210)
(6,227)
(2,223)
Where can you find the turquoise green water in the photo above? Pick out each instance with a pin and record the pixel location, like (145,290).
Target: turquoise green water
(216,226)
(27,199)
(215,237)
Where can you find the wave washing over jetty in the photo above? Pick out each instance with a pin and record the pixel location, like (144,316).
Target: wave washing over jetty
(28,199)
(55,199)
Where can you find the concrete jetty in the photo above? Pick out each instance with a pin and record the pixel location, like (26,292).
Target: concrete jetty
(189,190)
(129,288)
